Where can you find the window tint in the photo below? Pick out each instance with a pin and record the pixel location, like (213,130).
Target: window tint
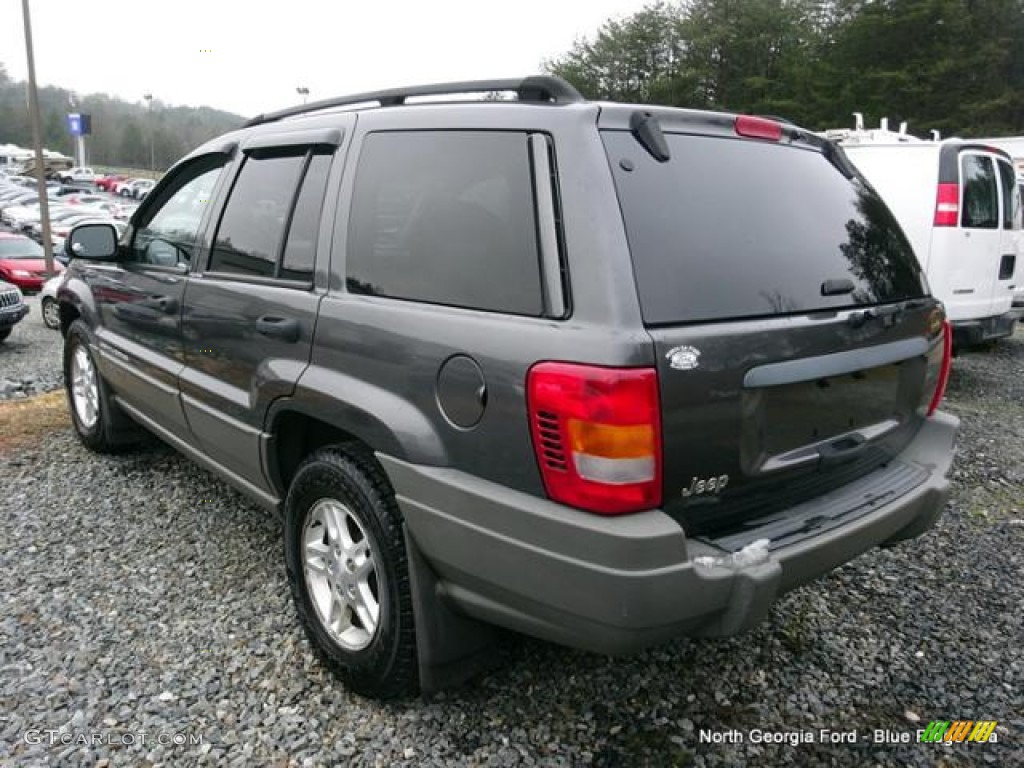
(300,250)
(1011,196)
(168,238)
(447,218)
(731,228)
(251,230)
(981,200)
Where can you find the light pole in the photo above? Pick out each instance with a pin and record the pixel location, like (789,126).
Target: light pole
(37,140)
(303,91)
(152,152)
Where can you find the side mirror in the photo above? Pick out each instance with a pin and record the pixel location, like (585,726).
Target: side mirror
(92,241)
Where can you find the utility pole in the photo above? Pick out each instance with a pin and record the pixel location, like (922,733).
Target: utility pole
(152,153)
(37,140)
(303,91)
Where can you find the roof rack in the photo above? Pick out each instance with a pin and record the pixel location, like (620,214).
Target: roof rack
(538,88)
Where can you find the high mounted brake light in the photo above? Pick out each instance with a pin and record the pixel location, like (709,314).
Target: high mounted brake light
(597,435)
(947,205)
(757,128)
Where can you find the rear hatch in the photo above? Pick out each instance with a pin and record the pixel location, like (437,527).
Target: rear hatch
(795,338)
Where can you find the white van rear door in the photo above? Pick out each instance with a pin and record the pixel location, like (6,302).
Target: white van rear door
(975,274)
(1010,273)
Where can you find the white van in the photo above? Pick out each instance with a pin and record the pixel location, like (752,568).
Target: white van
(960,206)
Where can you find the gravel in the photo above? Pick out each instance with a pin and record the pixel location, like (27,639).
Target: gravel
(30,359)
(143,598)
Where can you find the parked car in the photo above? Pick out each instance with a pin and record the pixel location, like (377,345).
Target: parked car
(22,262)
(12,309)
(599,373)
(124,188)
(77,175)
(107,183)
(21,218)
(141,188)
(958,203)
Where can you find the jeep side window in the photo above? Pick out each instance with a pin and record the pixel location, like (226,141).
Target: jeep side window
(981,199)
(168,238)
(446,217)
(262,217)
(300,248)
(252,228)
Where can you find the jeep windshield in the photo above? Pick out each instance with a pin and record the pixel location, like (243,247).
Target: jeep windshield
(730,228)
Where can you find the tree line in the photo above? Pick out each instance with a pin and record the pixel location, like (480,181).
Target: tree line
(952,65)
(121,131)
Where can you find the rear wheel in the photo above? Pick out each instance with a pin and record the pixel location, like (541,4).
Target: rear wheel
(4,333)
(51,313)
(348,571)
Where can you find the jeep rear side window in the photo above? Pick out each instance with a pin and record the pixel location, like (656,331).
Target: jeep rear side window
(981,200)
(251,231)
(446,217)
(731,228)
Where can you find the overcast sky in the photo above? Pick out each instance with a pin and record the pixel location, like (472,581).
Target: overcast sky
(249,56)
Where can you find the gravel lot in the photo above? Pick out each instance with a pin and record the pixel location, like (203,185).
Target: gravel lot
(143,597)
(30,359)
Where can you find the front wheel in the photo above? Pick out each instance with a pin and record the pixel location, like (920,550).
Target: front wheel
(93,414)
(348,571)
(51,313)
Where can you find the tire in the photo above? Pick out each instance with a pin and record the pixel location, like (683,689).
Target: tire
(94,416)
(341,487)
(4,333)
(51,313)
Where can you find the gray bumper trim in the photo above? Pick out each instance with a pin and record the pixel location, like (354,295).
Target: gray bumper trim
(616,584)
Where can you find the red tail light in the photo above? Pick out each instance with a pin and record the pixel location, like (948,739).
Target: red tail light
(942,377)
(597,435)
(947,205)
(757,128)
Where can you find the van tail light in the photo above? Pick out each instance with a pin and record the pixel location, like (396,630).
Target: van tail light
(597,435)
(940,359)
(947,205)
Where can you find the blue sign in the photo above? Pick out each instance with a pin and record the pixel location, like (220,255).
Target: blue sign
(79,125)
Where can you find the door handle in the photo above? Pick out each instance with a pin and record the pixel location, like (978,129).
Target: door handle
(284,328)
(166,304)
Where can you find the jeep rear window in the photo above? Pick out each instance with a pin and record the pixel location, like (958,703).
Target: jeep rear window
(732,228)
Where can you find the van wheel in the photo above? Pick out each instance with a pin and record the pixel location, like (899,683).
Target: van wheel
(348,571)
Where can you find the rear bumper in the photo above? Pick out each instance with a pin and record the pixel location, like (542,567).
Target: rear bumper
(617,584)
(971,332)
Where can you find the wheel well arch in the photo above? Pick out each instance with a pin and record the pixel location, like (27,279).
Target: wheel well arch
(68,315)
(294,436)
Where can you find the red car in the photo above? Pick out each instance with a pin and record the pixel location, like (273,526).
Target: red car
(108,183)
(22,262)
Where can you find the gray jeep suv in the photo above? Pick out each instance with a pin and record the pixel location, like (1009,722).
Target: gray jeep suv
(598,373)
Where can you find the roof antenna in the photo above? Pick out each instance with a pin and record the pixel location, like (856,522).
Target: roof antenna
(858,121)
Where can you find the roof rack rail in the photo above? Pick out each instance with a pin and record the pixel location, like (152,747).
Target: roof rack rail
(542,88)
